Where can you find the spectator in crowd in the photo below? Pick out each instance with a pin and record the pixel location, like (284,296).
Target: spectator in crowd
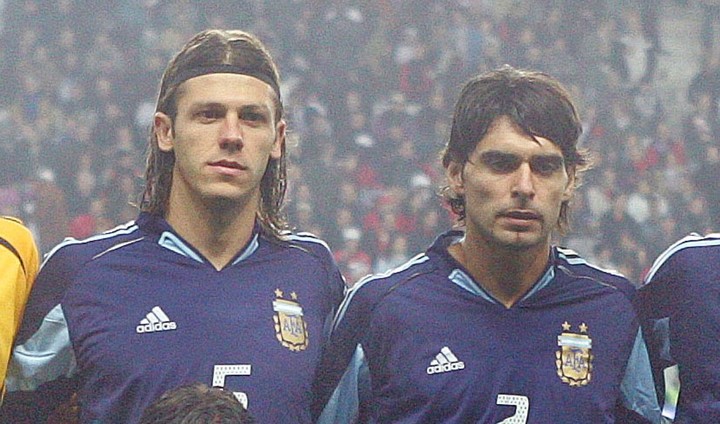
(209,262)
(427,341)
(77,75)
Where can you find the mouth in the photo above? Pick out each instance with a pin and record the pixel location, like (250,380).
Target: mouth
(227,167)
(227,164)
(526,215)
(521,218)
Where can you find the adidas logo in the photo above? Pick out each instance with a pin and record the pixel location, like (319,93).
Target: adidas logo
(445,361)
(155,320)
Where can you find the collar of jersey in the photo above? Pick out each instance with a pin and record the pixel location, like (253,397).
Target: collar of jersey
(461,278)
(170,240)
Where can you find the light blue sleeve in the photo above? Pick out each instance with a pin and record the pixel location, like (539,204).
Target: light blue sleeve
(344,405)
(44,357)
(638,387)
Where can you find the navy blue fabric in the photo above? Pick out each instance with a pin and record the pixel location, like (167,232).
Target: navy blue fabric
(404,319)
(683,291)
(108,285)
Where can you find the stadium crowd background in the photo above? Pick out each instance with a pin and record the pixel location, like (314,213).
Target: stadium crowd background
(369,87)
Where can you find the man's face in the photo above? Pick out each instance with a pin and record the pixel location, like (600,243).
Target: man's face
(513,187)
(223,136)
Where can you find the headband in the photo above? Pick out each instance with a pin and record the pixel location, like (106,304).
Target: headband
(187,74)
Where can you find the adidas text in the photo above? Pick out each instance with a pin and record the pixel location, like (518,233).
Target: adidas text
(155,320)
(436,369)
(158,326)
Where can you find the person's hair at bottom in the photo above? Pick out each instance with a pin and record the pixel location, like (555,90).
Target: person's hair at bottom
(196,404)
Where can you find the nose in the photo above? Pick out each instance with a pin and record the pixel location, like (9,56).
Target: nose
(231,135)
(524,185)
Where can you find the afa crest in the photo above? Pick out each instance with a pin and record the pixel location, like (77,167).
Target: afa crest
(574,359)
(290,327)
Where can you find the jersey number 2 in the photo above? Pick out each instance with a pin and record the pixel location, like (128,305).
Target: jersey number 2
(521,404)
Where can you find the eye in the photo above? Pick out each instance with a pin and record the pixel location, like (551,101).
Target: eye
(253,115)
(546,165)
(209,114)
(501,163)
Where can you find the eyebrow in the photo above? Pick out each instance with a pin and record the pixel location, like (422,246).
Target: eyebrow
(501,154)
(253,107)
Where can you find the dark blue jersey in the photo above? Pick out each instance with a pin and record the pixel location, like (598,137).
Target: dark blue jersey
(680,302)
(426,344)
(137,311)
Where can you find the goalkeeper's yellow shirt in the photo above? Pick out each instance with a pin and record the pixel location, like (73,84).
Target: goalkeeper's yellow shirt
(19,263)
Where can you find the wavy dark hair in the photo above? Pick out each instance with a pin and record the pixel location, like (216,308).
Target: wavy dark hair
(196,403)
(213,49)
(535,102)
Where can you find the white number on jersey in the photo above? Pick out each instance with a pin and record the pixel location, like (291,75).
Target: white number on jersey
(521,403)
(222,371)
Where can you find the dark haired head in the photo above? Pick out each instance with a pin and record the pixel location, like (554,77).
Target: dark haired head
(196,404)
(534,101)
(216,51)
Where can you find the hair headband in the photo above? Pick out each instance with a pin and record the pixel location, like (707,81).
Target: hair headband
(187,74)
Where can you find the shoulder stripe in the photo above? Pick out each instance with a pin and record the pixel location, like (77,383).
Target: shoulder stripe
(690,241)
(124,229)
(309,237)
(118,246)
(418,259)
(573,258)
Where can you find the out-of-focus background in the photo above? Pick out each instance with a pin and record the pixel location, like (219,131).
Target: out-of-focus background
(369,87)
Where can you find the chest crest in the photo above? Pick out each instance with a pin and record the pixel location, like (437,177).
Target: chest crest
(574,357)
(290,326)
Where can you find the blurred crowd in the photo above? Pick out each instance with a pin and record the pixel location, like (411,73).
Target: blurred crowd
(369,87)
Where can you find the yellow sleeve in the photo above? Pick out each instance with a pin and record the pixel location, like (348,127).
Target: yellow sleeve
(19,264)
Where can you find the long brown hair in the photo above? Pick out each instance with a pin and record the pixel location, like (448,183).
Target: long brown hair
(213,51)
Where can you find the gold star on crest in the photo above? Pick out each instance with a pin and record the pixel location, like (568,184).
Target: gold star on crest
(566,326)
(583,328)
(278,293)
(293,295)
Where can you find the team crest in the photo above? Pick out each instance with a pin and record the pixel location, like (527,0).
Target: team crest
(574,359)
(290,327)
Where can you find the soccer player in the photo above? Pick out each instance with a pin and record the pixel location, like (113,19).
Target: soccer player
(207,285)
(680,305)
(493,323)
(19,262)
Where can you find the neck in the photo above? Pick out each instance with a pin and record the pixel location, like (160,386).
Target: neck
(506,273)
(218,230)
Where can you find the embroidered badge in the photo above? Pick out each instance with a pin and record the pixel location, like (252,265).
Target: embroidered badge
(574,359)
(290,327)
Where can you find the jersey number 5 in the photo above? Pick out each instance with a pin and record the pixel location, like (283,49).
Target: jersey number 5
(222,371)
(521,403)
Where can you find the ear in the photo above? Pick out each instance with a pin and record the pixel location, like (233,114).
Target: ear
(454,175)
(162,127)
(279,142)
(570,185)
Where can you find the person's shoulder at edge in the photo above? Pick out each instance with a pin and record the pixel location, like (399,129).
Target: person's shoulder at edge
(15,232)
(578,265)
(677,251)
(12,226)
